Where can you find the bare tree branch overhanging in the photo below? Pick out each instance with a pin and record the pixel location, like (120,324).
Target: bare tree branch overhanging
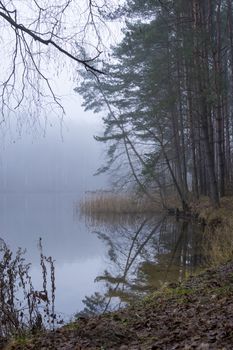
(36,37)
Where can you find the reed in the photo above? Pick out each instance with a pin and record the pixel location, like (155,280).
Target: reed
(111,203)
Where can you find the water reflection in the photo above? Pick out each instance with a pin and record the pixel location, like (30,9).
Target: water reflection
(77,253)
(127,256)
(143,254)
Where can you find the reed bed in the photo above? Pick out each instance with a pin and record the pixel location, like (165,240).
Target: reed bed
(114,204)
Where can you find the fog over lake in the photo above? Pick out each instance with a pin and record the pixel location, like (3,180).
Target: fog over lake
(42,178)
(59,158)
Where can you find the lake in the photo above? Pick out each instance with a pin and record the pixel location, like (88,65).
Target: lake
(114,259)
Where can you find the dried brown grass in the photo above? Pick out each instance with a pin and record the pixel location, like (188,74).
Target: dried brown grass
(218,232)
(218,245)
(111,203)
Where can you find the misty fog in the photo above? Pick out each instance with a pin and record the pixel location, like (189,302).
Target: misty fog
(62,158)
(43,175)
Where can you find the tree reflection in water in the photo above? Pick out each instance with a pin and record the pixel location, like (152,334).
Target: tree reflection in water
(143,254)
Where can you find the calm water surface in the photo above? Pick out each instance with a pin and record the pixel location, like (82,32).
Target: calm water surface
(118,258)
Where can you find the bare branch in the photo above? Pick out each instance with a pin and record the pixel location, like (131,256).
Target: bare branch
(48,42)
(38,39)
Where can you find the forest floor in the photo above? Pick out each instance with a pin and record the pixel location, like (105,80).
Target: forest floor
(196,314)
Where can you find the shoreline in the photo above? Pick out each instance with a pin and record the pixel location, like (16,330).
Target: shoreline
(196,314)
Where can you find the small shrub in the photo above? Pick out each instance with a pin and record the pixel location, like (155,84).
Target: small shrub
(22,308)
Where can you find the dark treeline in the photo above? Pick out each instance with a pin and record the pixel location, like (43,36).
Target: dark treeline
(167,98)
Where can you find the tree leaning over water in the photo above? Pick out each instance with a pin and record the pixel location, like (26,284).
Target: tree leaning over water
(167,97)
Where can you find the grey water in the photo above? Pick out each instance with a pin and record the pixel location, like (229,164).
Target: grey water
(143,254)
(121,258)
(76,251)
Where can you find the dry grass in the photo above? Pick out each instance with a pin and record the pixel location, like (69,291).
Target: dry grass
(218,245)
(110,203)
(210,215)
(218,233)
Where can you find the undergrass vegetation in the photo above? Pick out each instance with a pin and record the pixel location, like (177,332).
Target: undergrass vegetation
(217,245)
(22,341)
(23,309)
